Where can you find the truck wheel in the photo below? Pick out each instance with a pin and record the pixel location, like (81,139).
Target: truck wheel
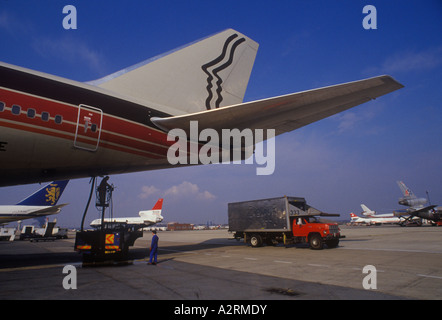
(316,242)
(256,240)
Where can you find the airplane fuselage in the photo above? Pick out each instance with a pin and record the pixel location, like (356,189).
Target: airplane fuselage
(136,221)
(56,128)
(17,212)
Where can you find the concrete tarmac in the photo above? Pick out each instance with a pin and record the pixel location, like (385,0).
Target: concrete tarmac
(210,265)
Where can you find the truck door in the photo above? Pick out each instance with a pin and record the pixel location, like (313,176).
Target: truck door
(300,228)
(88,129)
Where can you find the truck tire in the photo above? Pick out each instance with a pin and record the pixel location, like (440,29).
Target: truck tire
(316,242)
(256,240)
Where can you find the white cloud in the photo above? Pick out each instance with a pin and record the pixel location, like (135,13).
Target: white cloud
(14,25)
(360,119)
(70,50)
(147,191)
(184,190)
(190,190)
(347,121)
(410,61)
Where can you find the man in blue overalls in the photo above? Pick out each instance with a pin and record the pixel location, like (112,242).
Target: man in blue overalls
(153,248)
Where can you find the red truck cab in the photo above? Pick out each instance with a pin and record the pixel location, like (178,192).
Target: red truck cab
(309,229)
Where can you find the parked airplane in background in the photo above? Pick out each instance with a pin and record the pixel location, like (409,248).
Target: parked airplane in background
(374,220)
(39,204)
(409,198)
(146,218)
(372,214)
(55,128)
(417,206)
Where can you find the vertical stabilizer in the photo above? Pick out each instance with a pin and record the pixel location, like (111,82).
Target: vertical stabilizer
(153,215)
(46,196)
(158,205)
(207,74)
(366,211)
(405,190)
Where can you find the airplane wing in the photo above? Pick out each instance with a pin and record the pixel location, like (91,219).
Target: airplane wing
(49,210)
(425,209)
(288,112)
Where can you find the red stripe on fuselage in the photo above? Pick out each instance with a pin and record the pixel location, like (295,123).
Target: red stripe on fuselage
(117,133)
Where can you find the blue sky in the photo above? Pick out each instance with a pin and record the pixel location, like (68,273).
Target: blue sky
(336,164)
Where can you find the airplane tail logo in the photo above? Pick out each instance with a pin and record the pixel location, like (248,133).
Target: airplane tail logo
(52,194)
(46,196)
(405,190)
(223,61)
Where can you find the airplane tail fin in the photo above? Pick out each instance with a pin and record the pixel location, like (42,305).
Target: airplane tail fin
(405,190)
(366,211)
(46,196)
(158,205)
(207,74)
(153,215)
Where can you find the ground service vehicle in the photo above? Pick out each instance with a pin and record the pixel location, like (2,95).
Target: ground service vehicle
(108,244)
(286,220)
(110,241)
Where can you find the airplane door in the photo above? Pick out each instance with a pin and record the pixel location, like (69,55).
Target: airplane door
(88,129)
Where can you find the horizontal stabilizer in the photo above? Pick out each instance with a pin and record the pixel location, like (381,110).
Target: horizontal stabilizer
(49,210)
(288,112)
(425,209)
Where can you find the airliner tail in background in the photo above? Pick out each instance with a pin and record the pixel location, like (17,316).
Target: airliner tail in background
(39,204)
(48,195)
(146,217)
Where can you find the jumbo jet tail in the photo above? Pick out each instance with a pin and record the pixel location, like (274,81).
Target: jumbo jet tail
(206,74)
(46,196)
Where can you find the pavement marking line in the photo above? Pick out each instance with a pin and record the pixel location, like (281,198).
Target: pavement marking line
(280,261)
(47,266)
(360,269)
(428,276)
(391,250)
(318,265)
(254,259)
(172,250)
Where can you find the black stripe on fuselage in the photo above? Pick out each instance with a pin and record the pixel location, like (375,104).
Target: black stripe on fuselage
(69,93)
